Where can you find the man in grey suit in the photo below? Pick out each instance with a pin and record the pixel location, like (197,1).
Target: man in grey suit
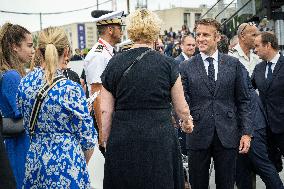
(187,47)
(216,93)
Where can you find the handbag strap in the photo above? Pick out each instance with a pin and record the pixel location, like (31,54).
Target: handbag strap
(135,61)
(39,100)
(132,64)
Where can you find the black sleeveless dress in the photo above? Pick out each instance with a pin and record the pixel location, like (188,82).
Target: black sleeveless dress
(142,149)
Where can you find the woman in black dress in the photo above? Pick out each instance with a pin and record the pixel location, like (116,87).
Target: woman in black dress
(138,87)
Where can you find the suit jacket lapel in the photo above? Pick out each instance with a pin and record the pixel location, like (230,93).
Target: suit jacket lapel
(182,57)
(220,75)
(202,72)
(276,69)
(262,76)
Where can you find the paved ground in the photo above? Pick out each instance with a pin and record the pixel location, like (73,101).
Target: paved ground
(96,173)
(259,183)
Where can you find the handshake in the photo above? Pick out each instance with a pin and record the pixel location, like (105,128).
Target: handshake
(187,124)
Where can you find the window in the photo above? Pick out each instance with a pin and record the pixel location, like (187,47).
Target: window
(197,16)
(186,18)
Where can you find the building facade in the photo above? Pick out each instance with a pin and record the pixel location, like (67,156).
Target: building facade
(81,35)
(178,16)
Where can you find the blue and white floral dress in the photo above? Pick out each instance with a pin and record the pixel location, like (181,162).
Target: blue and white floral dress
(64,129)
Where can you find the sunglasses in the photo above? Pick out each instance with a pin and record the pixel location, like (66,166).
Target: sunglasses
(159,48)
(248,24)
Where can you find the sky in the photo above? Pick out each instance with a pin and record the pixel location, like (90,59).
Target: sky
(32,22)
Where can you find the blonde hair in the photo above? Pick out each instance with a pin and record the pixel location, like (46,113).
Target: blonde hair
(36,60)
(143,25)
(52,42)
(10,35)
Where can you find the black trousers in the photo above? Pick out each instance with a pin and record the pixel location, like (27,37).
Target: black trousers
(224,164)
(7,179)
(276,140)
(257,161)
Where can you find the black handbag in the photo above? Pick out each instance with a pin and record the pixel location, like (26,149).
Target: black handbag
(9,126)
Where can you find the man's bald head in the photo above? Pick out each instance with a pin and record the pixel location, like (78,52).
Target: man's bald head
(247,33)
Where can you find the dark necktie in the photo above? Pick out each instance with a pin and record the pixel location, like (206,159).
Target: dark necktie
(269,72)
(211,73)
(114,51)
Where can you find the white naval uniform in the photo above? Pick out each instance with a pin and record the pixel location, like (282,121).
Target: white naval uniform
(249,63)
(97,60)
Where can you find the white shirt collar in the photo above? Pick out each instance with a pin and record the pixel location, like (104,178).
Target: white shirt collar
(185,56)
(108,46)
(214,56)
(241,52)
(275,59)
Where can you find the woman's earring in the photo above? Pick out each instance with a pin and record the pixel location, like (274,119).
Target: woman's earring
(66,61)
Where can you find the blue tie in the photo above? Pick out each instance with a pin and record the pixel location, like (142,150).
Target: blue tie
(269,72)
(211,73)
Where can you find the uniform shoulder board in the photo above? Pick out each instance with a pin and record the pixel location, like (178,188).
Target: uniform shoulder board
(99,48)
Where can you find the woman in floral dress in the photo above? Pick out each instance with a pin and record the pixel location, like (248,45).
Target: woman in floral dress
(64,135)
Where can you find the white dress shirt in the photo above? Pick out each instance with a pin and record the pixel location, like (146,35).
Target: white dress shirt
(249,62)
(273,61)
(215,62)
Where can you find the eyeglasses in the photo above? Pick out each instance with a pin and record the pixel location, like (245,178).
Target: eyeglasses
(159,48)
(248,24)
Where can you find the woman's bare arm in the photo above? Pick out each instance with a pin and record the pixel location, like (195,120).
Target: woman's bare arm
(181,106)
(107,108)
(88,154)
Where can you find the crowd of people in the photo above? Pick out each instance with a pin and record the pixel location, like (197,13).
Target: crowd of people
(196,94)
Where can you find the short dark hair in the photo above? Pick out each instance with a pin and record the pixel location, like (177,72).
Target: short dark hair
(185,36)
(209,22)
(101,29)
(269,37)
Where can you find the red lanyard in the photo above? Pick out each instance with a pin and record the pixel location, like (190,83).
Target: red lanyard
(102,43)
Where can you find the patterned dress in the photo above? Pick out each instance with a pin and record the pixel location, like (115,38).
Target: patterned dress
(63,131)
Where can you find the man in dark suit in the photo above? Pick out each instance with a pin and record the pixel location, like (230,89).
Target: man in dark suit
(169,47)
(256,160)
(187,48)
(216,93)
(77,56)
(268,78)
